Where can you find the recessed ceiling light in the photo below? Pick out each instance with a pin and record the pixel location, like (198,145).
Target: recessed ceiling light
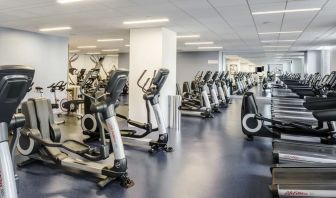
(288,32)
(188,36)
(93,53)
(74,51)
(68,1)
(86,47)
(110,50)
(275,41)
(286,11)
(200,43)
(211,47)
(55,29)
(110,39)
(146,21)
(276,46)
(127,45)
(276,50)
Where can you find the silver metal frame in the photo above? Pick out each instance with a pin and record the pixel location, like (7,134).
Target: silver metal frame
(8,188)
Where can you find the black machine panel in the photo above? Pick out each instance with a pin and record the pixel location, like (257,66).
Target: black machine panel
(15,81)
(116,83)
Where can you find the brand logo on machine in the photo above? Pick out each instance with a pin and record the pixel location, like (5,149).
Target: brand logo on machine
(110,128)
(293,157)
(296,193)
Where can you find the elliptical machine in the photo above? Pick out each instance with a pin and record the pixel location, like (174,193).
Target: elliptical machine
(196,103)
(15,81)
(151,97)
(59,86)
(39,140)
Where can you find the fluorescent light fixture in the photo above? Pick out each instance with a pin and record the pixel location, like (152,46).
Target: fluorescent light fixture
(325,47)
(291,57)
(74,51)
(211,47)
(87,47)
(275,50)
(55,29)
(127,45)
(274,54)
(146,21)
(113,55)
(286,11)
(188,36)
(276,46)
(200,43)
(287,32)
(110,50)
(110,39)
(275,41)
(67,1)
(93,53)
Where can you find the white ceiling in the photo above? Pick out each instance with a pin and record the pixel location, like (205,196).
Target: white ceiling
(229,23)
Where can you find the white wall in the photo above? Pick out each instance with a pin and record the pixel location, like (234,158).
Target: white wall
(189,63)
(287,67)
(47,54)
(313,62)
(325,61)
(84,62)
(333,60)
(297,66)
(123,60)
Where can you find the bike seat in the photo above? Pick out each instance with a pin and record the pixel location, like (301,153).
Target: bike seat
(325,115)
(38,88)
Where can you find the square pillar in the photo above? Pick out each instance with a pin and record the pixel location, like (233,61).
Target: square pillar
(151,49)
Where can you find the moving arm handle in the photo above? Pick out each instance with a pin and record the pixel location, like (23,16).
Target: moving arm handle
(152,79)
(138,82)
(87,77)
(51,86)
(144,86)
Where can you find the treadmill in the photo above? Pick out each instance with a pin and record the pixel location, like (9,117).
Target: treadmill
(295,110)
(304,180)
(289,151)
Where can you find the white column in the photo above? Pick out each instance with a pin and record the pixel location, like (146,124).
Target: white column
(151,49)
(325,62)
(314,60)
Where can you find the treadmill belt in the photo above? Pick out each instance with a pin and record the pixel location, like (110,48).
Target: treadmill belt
(299,176)
(288,120)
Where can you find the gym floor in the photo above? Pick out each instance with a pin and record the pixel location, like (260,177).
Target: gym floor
(212,158)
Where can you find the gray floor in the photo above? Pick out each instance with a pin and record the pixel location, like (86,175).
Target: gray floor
(212,159)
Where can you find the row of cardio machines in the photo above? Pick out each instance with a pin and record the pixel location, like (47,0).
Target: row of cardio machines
(38,138)
(207,93)
(243,82)
(303,127)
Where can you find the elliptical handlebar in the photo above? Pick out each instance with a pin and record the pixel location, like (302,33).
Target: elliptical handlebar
(82,85)
(140,78)
(60,85)
(143,87)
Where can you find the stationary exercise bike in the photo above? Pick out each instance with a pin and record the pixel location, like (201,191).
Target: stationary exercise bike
(59,86)
(71,106)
